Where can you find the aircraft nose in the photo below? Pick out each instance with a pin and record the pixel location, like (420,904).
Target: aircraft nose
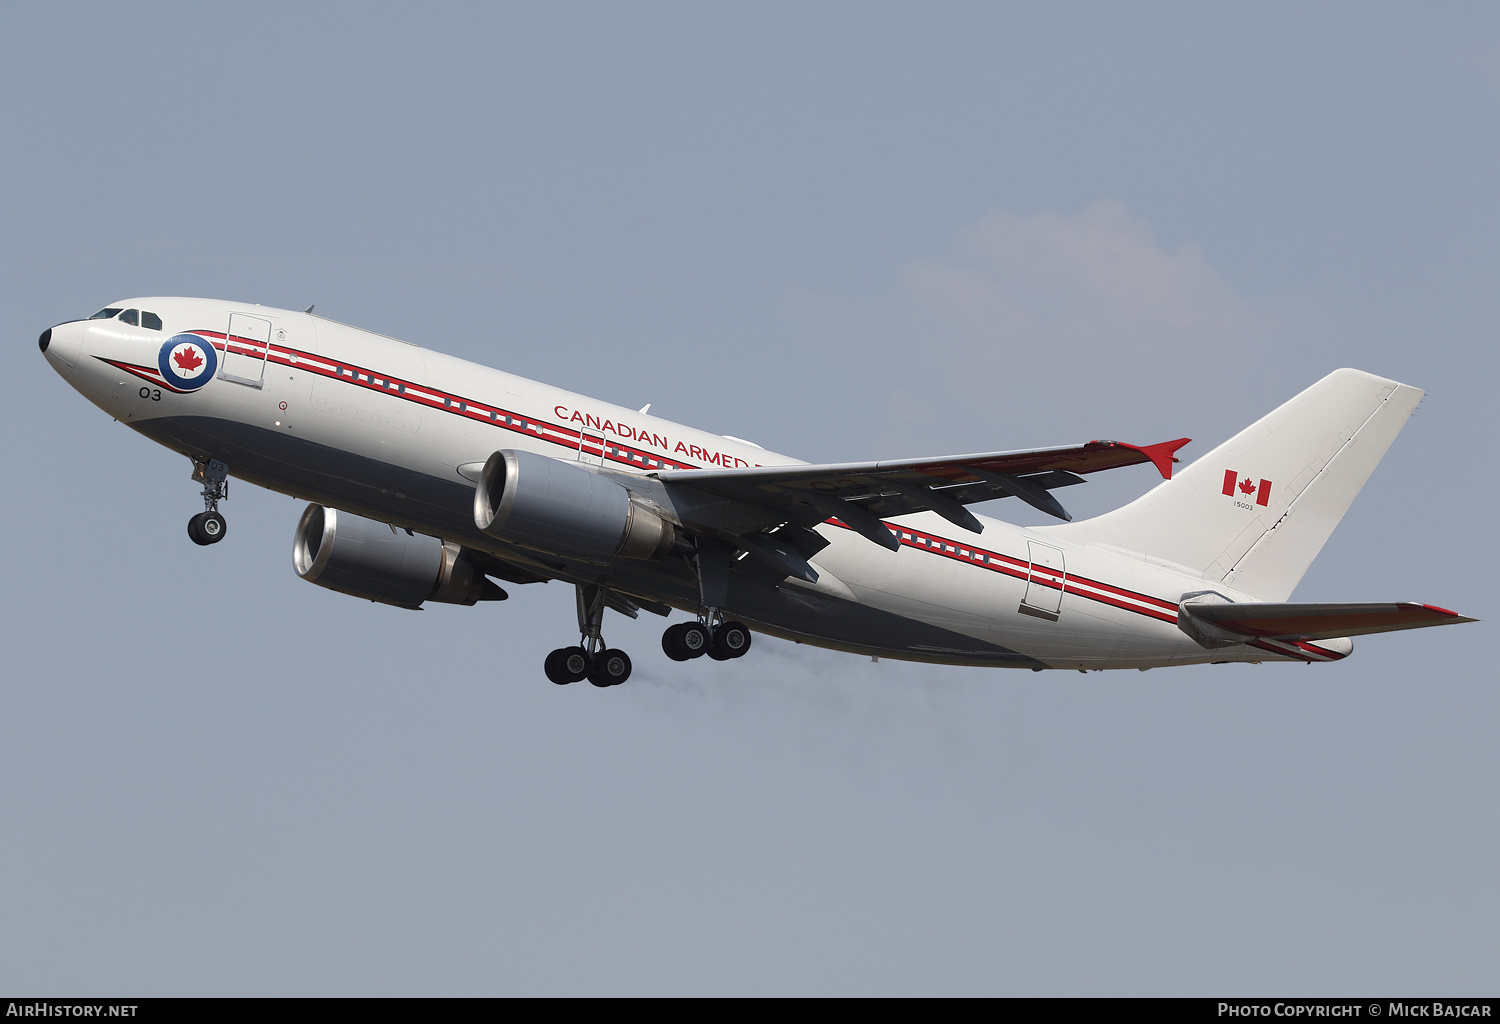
(61,345)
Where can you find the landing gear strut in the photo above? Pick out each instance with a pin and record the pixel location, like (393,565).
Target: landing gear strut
(600,665)
(711,634)
(208,526)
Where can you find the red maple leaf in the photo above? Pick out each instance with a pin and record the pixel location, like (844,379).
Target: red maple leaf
(1246,485)
(188,359)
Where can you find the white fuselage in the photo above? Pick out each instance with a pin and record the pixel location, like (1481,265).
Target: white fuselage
(358,421)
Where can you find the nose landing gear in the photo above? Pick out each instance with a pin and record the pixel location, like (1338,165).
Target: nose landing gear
(208,526)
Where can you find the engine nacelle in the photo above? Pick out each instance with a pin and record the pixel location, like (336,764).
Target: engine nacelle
(379,562)
(542,503)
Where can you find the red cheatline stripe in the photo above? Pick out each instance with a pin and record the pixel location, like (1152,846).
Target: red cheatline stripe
(924,541)
(149,374)
(1153,611)
(1117,597)
(360,376)
(1159,603)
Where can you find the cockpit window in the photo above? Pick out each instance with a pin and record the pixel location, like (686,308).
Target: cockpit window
(150,320)
(106,314)
(131,317)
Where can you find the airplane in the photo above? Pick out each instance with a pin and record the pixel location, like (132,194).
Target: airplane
(431,478)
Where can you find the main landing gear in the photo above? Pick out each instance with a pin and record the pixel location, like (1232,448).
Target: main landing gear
(721,642)
(607,666)
(208,526)
(711,634)
(591,660)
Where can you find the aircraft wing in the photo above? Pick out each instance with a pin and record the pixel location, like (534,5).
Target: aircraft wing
(1320,621)
(860,494)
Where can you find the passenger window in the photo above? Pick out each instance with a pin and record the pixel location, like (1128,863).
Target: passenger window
(150,320)
(106,314)
(131,317)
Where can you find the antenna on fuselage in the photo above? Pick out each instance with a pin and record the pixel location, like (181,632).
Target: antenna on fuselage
(646,408)
(309,309)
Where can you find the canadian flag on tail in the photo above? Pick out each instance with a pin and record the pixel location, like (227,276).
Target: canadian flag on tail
(1247,487)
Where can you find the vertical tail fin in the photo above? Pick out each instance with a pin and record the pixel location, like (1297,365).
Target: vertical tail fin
(1255,511)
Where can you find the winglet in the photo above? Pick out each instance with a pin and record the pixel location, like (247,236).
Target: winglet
(1161,455)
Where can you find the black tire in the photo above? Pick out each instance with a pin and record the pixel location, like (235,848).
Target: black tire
(671,643)
(574,663)
(195,530)
(731,640)
(611,668)
(213,527)
(695,639)
(556,669)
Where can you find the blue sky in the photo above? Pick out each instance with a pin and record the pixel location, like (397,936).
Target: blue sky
(842,231)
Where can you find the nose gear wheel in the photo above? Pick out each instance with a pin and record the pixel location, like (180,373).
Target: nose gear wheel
(207,528)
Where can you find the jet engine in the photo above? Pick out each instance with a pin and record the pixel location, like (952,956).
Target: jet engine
(542,503)
(379,562)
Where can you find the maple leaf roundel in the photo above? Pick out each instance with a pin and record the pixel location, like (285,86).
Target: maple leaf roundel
(188,358)
(187,362)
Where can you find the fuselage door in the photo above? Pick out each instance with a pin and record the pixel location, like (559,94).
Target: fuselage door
(246,346)
(1044,584)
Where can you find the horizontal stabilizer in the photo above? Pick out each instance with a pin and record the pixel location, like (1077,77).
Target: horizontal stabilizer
(1319,621)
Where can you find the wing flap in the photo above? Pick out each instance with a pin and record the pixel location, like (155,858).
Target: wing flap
(878,490)
(1320,621)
